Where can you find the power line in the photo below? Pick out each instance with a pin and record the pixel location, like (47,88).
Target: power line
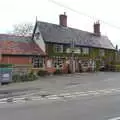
(84,14)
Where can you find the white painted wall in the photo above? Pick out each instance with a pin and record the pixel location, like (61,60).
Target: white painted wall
(40,42)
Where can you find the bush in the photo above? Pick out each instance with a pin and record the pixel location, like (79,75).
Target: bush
(24,77)
(97,66)
(58,71)
(117,68)
(16,78)
(32,76)
(42,73)
(5,65)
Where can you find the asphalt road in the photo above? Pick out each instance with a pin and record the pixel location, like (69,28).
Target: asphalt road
(85,108)
(91,104)
(68,83)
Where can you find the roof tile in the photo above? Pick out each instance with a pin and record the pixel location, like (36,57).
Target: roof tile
(20,48)
(58,34)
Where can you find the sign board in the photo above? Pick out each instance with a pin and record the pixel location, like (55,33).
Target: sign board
(5,75)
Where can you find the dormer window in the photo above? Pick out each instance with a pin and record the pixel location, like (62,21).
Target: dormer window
(37,35)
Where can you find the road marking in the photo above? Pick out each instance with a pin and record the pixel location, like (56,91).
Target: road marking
(117,118)
(37,96)
(53,98)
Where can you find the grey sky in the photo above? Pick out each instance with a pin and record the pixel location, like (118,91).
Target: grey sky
(17,11)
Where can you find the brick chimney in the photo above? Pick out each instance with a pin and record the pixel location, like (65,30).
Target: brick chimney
(97,28)
(63,19)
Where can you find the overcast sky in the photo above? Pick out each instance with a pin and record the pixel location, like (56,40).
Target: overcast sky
(18,11)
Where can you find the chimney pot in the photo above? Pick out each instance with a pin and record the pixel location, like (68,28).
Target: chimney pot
(64,13)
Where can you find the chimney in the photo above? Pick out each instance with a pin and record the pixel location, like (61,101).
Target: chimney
(63,19)
(97,28)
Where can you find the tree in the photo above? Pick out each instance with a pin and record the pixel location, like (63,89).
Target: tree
(23,29)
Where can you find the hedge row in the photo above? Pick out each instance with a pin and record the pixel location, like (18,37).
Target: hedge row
(24,77)
(5,65)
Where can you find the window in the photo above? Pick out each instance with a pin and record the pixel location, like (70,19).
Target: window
(68,50)
(37,62)
(77,50)
(58,63)
(85,51)
(37,35)
(59,48)
(101,52)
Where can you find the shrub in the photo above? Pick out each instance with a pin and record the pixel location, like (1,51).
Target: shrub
(5,65)
(97,66)
(16,78)
(32,76)
(58,71)
(117,68)
(24,77)
(42,73)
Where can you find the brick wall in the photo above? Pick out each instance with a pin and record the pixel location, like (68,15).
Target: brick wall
(15,59)
(22,69)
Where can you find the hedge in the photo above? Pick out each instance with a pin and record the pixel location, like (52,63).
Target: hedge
(6,65)
(24,77)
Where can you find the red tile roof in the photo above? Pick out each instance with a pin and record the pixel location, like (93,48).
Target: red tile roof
(19,48)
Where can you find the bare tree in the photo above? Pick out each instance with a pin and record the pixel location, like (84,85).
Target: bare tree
(23,29)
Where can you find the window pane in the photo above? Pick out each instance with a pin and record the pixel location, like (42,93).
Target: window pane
(58,48)
(101,52)
(77,50)
(58,63)
(85,50)
(37,62)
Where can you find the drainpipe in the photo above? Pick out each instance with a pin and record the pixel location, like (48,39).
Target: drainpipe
(72,55)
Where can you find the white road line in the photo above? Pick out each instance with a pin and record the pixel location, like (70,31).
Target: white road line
(117,118)
(3,99)
(32,96)
(64,94)
(3,102)
(93,93)
(36,98)
(18,100)
(53,98)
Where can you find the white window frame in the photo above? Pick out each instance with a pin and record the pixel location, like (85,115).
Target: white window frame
(85,51)
(37,36)
(59,48)
(77,50)
(68,50)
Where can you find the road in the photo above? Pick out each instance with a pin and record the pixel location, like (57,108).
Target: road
(93,96)
(90,108)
